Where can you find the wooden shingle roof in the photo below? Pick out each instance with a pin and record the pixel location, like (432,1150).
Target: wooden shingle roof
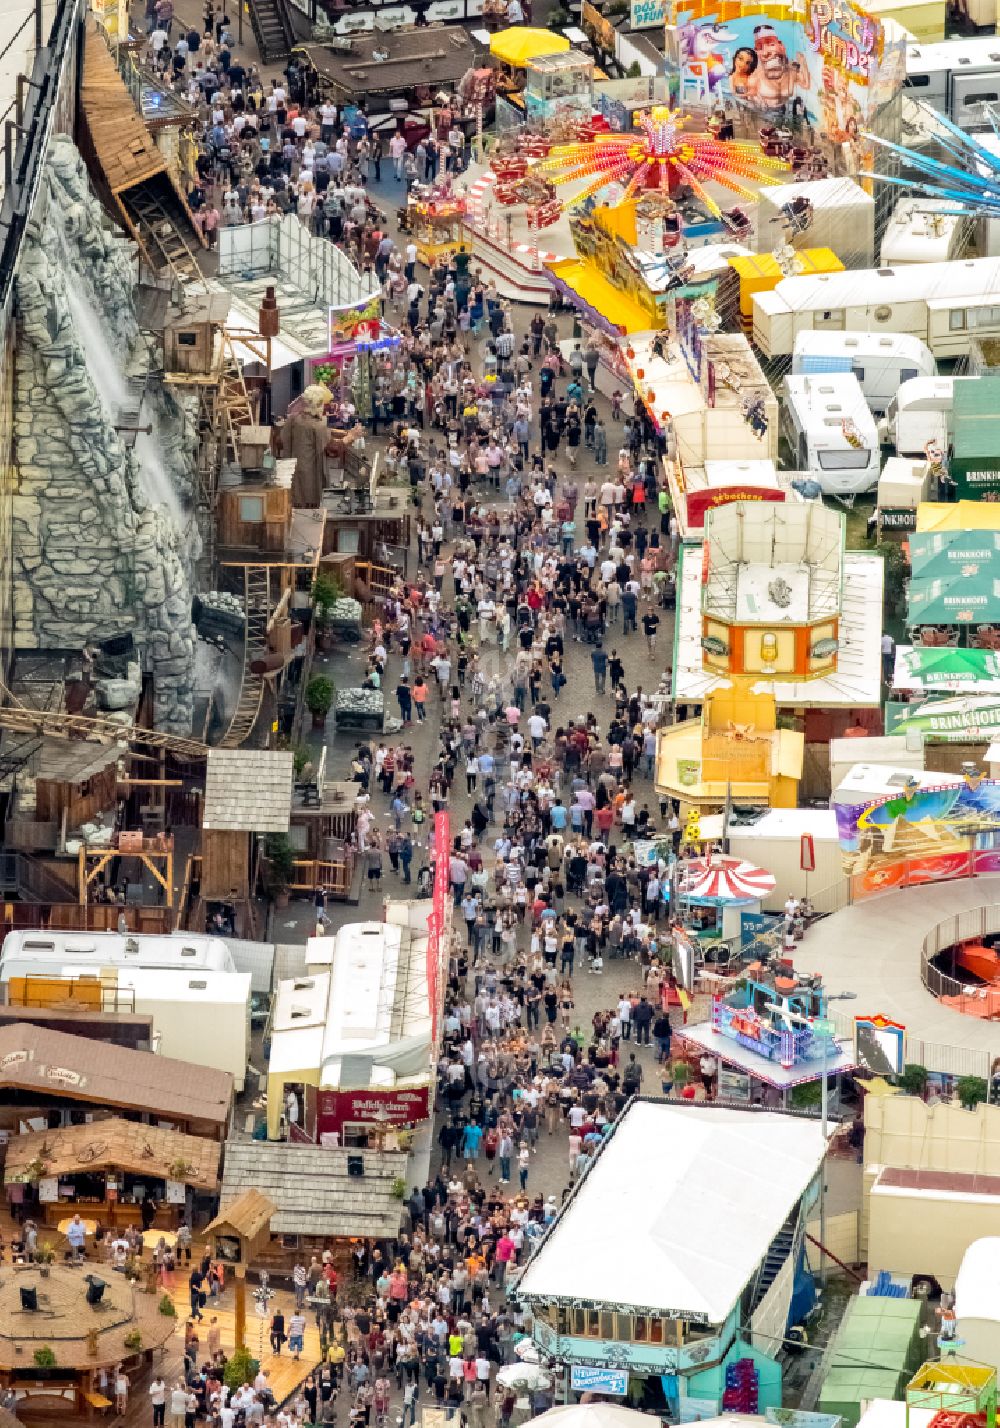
(312,1190)
(247,1214)
(114,1144)
(248,790)
(122,144)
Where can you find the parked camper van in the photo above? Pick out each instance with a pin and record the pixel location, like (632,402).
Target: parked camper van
(920,412)
(880,361)
(959,78)
(831,431)
(923,230)
(944,304)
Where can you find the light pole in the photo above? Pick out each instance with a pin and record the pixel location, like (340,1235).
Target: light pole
(262,1295)
(826,1038)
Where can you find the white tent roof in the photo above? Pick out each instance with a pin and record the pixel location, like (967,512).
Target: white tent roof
(976,1283)
(677,1211)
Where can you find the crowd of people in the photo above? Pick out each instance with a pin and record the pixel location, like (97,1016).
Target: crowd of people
(545,568)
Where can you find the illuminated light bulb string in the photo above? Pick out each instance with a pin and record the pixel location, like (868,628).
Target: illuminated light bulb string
(661,155)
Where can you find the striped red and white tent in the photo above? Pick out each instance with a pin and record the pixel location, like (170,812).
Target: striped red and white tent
(719,878)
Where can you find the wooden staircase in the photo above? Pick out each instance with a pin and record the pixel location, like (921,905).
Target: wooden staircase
(162,225)
(128,170)
(272,28)
(257,603)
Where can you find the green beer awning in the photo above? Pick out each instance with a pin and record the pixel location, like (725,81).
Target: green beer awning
(943,553)
(951,665)
(950,720)
(960,598)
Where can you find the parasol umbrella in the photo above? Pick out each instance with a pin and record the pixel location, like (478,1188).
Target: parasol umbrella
(948,664)
(719,878)
(524,1377)
(593,1415)
(520,44)
(527,1350)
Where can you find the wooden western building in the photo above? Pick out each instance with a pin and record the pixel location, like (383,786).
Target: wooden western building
(65,1080)
(112,1172)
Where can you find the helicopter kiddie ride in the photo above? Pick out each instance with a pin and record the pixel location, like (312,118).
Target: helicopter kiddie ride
(773,1027)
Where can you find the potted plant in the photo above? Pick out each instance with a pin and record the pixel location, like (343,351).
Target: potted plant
(398,1188)
(319,698)
(280,859)
(133,1341)
(241,1367)
(44,1357)
(167,1307)
(326,591)
(179,1169)
(971,1090)
(44,1256)
(914,1079)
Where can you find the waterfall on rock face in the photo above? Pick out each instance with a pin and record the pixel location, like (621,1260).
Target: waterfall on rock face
(104,534)
(104,367)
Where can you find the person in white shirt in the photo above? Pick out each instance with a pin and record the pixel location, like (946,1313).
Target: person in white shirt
(397,152)
(158,1398)
(178,1405)
(537,725)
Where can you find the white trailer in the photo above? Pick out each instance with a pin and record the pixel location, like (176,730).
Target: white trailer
(944,304)
(831,431)
(922,230)
(202,1017)
(879,360)
(922,411)
(33,954)
(958,78)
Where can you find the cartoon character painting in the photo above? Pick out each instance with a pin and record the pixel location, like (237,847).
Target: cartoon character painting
(701,57)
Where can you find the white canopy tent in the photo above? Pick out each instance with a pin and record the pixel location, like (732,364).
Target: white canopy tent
(677,1212)
(977,1309)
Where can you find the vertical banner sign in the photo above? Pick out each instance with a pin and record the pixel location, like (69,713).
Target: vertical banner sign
(438,924)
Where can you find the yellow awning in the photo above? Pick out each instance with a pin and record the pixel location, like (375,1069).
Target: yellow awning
(958,516)
(593,288)
(520,44)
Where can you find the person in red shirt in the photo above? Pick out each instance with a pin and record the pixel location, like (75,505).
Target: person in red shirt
(604,818)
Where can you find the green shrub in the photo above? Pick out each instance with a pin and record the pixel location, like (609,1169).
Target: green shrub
(319,695)
(971,1090)
(240,1368)
(914,1079)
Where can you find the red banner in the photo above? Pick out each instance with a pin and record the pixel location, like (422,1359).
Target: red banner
(438,924)
(708,498)
(334,1109)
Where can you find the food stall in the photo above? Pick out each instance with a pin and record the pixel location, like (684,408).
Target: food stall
(106,1169)
(714,892)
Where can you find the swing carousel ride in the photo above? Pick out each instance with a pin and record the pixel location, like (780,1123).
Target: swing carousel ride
(972,182)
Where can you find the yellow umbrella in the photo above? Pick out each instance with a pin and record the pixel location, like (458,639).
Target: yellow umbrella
(518,45)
